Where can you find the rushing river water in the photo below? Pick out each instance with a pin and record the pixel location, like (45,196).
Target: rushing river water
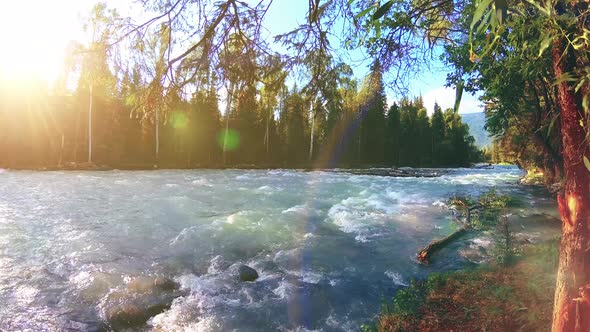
(329,247)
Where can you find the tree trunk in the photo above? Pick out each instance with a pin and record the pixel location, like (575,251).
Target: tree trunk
(312,132)
(571,311)
(90,127)
(230,92)
(157,156)
(266,135)
(61,150)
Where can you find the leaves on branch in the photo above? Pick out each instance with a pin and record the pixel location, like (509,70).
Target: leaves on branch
(382,10)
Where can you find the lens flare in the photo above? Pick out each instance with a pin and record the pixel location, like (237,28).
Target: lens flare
(179,120)
(228,139)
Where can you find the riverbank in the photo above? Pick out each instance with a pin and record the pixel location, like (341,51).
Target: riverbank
(391,171)
(518,297)
(510,290)
(380,170)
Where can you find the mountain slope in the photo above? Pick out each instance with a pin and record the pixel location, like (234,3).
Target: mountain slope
(476,123)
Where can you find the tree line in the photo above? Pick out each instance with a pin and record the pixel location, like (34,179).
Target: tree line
(270,125)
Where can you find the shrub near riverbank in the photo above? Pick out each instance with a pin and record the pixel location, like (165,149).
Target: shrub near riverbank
(490,298)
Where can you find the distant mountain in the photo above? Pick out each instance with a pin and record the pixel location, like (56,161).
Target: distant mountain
(476,122)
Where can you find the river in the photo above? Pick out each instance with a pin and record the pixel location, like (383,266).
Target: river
(329,247)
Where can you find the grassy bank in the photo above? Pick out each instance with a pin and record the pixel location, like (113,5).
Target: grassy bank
(518,297)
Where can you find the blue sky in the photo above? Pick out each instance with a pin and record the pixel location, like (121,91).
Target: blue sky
(45,28)
(285,15)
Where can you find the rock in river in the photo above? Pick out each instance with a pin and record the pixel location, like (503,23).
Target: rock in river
(140,299)
(247,273)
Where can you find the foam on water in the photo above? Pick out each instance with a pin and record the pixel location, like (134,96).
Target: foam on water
(310,277)
(302,209)
(361,216)
(82,279)
(240,216)
(184,234)
(25,294)
(217,265)
(201,182)
(268,190)
(396,277)
(284,290)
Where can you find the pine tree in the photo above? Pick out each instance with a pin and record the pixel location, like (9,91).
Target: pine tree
(248,126)
(392,135)
(424,138)
(438,135)
(372,114)
(294,125)
(409,154)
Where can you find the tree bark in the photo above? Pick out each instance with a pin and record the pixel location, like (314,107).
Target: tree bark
(230,92)
(312,132)
(90,127)
(157,155)
(571,311)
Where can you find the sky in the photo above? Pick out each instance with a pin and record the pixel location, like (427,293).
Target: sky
(285,15)
(36,33)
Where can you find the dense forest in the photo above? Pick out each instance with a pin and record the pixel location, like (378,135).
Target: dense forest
(265,126)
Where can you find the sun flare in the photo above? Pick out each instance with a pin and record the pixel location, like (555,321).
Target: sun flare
(34,35)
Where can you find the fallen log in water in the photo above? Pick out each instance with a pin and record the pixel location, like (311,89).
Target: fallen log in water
(425,253)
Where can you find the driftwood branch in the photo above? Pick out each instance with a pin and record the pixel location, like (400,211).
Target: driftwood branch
(425,253)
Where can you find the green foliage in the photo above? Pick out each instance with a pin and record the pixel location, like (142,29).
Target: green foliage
(372,103)
(294,127)
(392,135)
(490,214)
(505,249)
(493,200)
(491,206)
(382,10)
(514,53)
(407,300)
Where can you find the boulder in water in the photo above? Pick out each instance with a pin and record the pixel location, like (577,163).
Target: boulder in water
(246,273)
(139,300)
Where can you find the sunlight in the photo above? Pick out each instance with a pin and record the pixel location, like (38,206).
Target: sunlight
(34,35)
(572,203)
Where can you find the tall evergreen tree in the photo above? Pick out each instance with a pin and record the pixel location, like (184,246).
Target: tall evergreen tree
(372,114)
(437,123)
(294,124)
(424,138)
(409,153)
(392,135)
